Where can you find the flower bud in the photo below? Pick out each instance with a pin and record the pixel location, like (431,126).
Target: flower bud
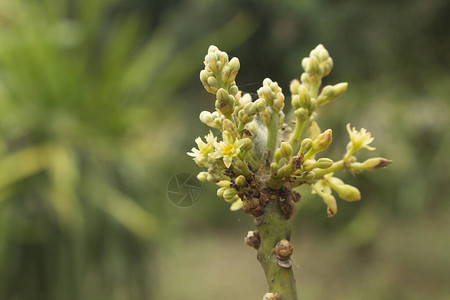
(277,155)
(286,150)
(309,165)
(345,191)
(330,201)
(306,80)
(224,183)
(203,176)
(274,167)
(240,180)
(294,87)
(314,67)
(229,193)
(229,126)
(304,97)
(309,176)
(278,103)
(234,66)
(323,141)
(324,163)
(206,117)
(245,145)
(296,102)
(329,93)
(301,113)
(220,192)
(225,102)
(237,204)
(233,89)
(371,164)
(260,105)
(306,145)
(212,82)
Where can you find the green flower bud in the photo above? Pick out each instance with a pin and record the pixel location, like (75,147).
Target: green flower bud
(203,176)
(212,82)
(229,126)
(240,180)
(278,103)
(234,89)
(225,102)
(323,53)
(224,183)
(229,193)
(345,191)
(294,87)
(305,63)
(304,97)
(371,164)
(237,204)
(220,192)
(212,48)
(309,165)
(306,145)
(296,102)
(306,80)
(234,64)
(260,105)
(330,201)
(329,93)
(206,117)
(314,67)
(245,145)
(274,166)
(211,178)
(309,176)
(323,141)
(324,163)
(204,76)
(201,161)
(277,155)
(286,150)
(301,113)
(327,66)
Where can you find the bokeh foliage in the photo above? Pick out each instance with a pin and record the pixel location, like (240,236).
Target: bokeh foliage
(99,103)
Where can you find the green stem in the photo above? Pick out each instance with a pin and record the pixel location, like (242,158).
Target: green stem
(337,166)
(299,133)
(273,229)
(272,133)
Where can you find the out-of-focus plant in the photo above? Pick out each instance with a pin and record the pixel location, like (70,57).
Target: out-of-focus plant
(261,160)
(81,97)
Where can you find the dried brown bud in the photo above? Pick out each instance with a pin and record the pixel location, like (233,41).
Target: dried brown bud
(252,239)
(283,249)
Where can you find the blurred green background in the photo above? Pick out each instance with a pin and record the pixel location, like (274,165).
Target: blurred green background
(99,103)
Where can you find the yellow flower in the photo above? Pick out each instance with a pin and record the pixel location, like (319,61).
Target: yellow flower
(226,149)
(204,149)
(360,139)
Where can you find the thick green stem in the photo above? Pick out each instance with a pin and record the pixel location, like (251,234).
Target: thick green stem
(273,229)
(272,133)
